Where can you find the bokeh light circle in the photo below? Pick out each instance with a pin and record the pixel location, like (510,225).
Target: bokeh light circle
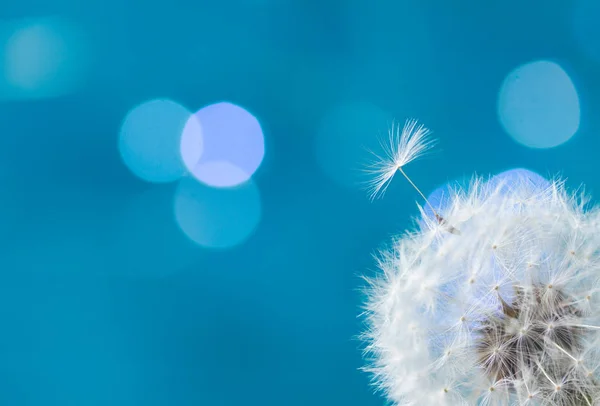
(217,217)
(150,137)
(44,58)
(345,136)
(233,142)
(523,178)
(441,197)
(538,105)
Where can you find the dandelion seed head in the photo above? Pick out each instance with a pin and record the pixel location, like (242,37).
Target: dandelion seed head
(506,313)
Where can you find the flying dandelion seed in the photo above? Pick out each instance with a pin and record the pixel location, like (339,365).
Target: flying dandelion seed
(507,313)
(403,146)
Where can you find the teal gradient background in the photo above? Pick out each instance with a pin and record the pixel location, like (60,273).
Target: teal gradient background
(103,301)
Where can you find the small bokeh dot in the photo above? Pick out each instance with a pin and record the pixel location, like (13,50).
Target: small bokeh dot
(538,105)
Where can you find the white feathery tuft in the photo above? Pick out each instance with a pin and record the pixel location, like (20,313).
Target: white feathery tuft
(404,145)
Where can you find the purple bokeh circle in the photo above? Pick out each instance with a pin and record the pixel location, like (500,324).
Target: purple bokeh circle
(233,145)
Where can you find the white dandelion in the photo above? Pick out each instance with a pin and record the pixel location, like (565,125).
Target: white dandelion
(506,313)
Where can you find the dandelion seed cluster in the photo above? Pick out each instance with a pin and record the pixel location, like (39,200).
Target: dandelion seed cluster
(507,313)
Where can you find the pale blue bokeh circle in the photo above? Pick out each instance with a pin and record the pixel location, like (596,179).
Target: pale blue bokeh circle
(150,138)
(217,217)
(42,57)
(538,105)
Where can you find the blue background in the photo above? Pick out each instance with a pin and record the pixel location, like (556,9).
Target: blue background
(93,312)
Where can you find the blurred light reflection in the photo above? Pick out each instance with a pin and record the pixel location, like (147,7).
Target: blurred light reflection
(150,139)
(233,145)
(538,105)
(216,217)
(45,57)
